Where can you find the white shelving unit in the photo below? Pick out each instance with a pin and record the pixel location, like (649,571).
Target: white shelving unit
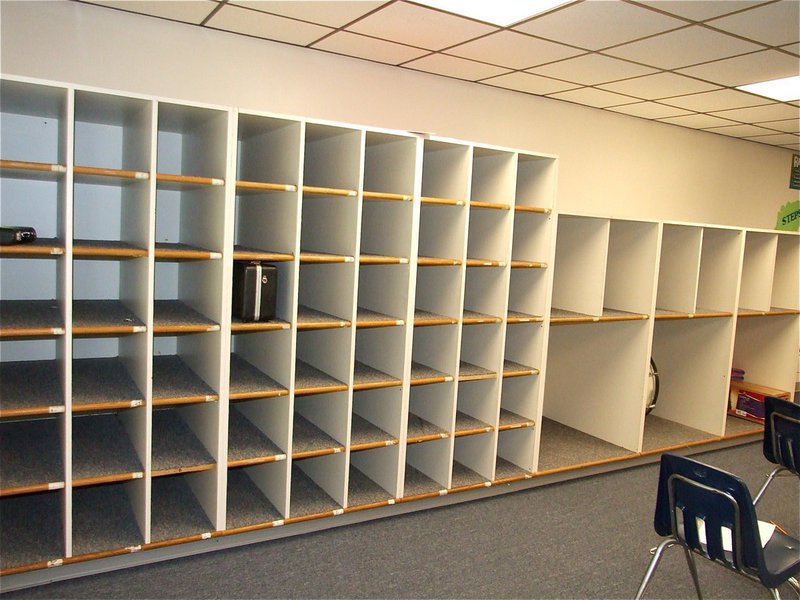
(439,327)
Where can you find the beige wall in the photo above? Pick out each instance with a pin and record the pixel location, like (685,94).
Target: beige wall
(610,164)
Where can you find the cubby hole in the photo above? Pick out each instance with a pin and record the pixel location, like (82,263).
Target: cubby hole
(441,234)
(527,296)
(332,158)
(260,365)
(786,283)
(31,456)
(32,376)
(435,349)
(532,239)
(318,486)
(481,352)
(691,357)
(34,121)
(515,451)
(257,495)
(376,419)
(485,295)
(536,181)
(258,431)
(186,439)
(109,296)
(382,295)
(177,511)
(473,461)
(765,349)
(111,218)
(325,296)
(719,264)
(186,369)
(329,224)
(489,237)
(519,404)
(445,171)
(758,271)
(679,269)
(26,540)
(580,266)
(386,231)
(594,394)
(320,425)
(380,358)
(192,141)
(428,468)
(438,296)
(389,166)
(32,296)
(190,220)
(477,407)
(108,446)
(324,361)
(268,151)
(109,372)
(188,297)
(107,518)
(373,477)
(431,413)
(630,269)
(493,177)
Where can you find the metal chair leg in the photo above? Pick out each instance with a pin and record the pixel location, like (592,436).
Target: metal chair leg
(794,584)
(775,593)
(770,477)
(693,571)
(651,568)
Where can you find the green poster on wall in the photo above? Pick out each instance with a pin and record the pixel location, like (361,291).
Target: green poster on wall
(789,217)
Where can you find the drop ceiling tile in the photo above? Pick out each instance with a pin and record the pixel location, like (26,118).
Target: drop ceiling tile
(741,130)
(332,14)
(716,101)
(762,114)
(785,125)
(270,27)
(513,50)
(650,110)
(775,24)
(593,97)
(190,11)
(793,48)
(525,82)
(595,25)
(685,47)
(360,46)
(778,139)
(451,66)
(700,10)
(749,68)
(791,146)
(697,121)
(591,69)
(418,26)
(660,85)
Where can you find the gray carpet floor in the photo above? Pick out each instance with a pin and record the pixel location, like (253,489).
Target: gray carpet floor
(587,538)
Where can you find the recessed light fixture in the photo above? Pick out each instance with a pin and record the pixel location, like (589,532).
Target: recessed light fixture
(497,12)
(784,89)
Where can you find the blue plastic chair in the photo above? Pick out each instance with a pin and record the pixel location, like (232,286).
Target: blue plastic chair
(781,438)
(709,512)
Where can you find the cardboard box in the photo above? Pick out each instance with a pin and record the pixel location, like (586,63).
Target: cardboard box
(747,399)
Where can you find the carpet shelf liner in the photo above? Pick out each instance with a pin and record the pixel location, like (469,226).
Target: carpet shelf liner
(468,423)
(103,519)
(505,469)
(363,490)
(30,453)
(563,446)
(30,384)
(735,425)
(101,447)
(90,314)
(312,317)
(307,497)
(25,314)
(26,539)
(174,380)
(176,512)
(365,376)
(662,433)
(424,317)
(102,381)
(464,476)
(514,316)
(249,381)
(420,372)
(511,368)
(469,371)
(175,446)
(417,483)
(308,438)
(365,315)
(471,317)
(247,504)
(510,419)
(362,433)
(419,428)
(310,379)
(176,313)
(246,441)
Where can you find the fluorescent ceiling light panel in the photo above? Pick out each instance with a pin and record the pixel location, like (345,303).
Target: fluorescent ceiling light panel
(784,89)
(497,12)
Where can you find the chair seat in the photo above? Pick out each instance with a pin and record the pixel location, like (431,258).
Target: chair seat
(782,555)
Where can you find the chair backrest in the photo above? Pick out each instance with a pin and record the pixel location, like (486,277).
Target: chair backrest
(710,511)
(782,433)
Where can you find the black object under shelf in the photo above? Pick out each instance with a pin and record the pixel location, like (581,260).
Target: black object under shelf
(103,383)
(419,484)
(176,512)
(27,318)
(30,388)
(247,444)
(420,430)
(26,539)
(464,477)
(369,378)
(102,450)
(30,455)
(363,491)
(247,505)
(469,425)
(175,316)
(103,519)
(310,380)
(505,469)
(174,382)
(248,381)
(364,435)
(176,448)
(104,317)
(307,498)
(425,375)
(308,440)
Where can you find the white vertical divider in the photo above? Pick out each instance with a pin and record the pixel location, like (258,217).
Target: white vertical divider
(580,264)
(786,284)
